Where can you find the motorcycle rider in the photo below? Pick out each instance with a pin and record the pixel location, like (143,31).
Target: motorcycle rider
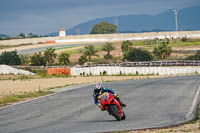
(98,90)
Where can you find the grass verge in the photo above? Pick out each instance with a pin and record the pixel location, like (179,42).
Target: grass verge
(21,97)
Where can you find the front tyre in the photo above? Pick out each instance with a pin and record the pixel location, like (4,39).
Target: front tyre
(124,116)
(115,112)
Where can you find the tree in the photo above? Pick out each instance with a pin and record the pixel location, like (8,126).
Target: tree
(89,52)
(64,59)
(49,55)
(104,28)
(108,47)
(126,46)
(163,50)
(31,35)
(138,55)
(22,35)
(25,59)
(38,59)
(194,57)
(10,58)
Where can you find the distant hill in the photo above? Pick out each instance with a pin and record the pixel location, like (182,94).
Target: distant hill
(3,36)
(189,19)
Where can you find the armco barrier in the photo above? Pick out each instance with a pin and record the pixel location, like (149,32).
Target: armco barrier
(59,71)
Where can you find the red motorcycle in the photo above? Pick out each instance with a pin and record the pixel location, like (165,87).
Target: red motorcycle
(109,103)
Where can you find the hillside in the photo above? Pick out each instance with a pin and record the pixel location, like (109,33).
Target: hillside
(189,19)
(3,35)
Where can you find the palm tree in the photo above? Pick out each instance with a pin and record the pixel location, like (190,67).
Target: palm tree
(126,46)
(25,59)
(37,59)
(90,51)
(108,47)
(163,50)
(50,55)
(64,59)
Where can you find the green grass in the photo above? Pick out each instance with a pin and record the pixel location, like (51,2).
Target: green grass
(174,43)
(74,52)
(18,97)
(187,43)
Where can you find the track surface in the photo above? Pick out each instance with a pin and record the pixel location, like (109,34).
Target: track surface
(151,103)
(34,50)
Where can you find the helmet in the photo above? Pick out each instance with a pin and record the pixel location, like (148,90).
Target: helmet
(97,87)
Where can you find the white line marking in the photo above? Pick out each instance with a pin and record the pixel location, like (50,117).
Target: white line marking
(193,103)
(60,90)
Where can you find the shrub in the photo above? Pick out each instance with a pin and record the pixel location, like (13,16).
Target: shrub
(184,39)
(104,73)
(82,59)
(194,57)
(139,55)
(163,50)
(108,56)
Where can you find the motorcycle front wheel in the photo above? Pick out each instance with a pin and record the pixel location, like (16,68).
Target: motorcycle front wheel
(115,112)
(124,116)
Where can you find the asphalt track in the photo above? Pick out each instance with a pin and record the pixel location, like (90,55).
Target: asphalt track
(34,50)
(57,47)
(150,103)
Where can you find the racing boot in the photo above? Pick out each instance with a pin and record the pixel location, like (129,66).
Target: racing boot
(121,103)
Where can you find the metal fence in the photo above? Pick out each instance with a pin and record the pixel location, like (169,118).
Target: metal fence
(124,64)
(151,63)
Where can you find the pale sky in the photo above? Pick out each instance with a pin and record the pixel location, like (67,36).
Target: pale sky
(46,16)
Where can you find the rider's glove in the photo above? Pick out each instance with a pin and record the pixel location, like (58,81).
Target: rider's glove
(99,104)
(116,95)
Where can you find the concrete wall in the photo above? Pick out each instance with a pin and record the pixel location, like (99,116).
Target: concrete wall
(74,39)
(115,70)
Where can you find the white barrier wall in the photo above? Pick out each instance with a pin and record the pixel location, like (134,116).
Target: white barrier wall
(5,69)
(95,38)
(116,70)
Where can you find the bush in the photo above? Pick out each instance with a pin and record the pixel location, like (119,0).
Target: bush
(184,39)
(10,58)
(194,57)
(138,55)
(82,59)
(104,73)
(163,50)
(108,56)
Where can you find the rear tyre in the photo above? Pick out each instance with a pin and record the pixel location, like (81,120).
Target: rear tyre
(115,112)
(124,116)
